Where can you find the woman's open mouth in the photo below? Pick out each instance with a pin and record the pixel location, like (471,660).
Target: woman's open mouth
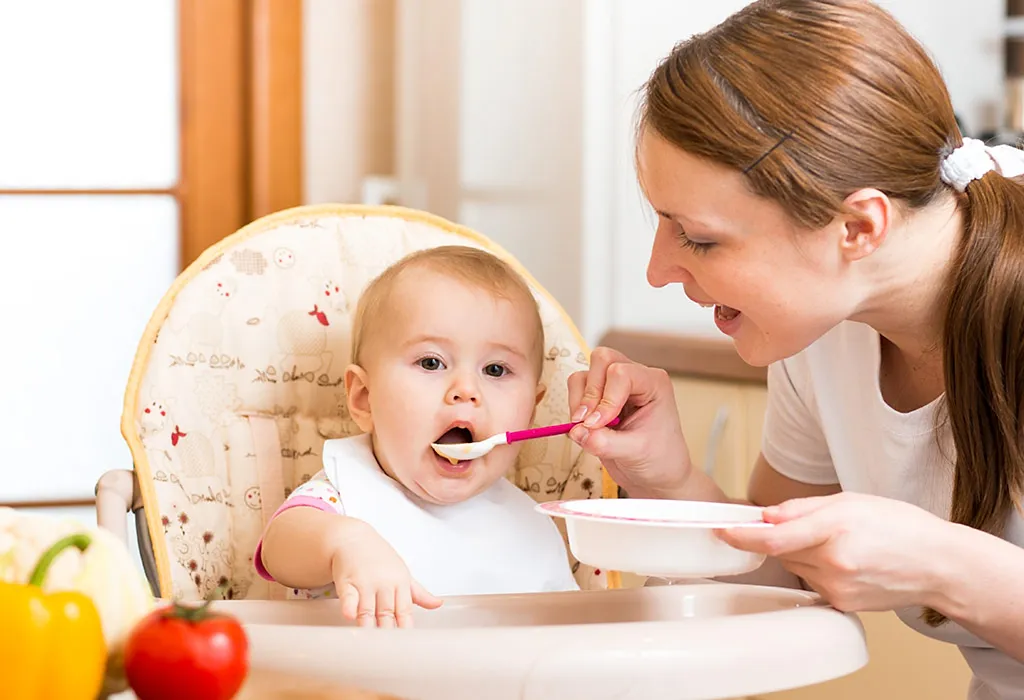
(726,317)
(725,313)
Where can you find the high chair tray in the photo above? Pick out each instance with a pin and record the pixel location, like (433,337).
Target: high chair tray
(684,642)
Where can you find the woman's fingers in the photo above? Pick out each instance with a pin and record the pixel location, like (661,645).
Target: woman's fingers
(780,540)
(625,383)
(799,507)
(610,443)
(586,389)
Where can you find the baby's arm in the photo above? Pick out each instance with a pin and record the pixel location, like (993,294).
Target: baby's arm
(309,516)
(300,544)
(309,543)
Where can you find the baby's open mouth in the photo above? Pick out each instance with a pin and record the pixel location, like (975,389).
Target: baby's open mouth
(456,435)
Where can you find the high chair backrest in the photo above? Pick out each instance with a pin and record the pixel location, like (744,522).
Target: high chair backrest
(238,381)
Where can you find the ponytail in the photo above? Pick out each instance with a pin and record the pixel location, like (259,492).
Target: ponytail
(984,357)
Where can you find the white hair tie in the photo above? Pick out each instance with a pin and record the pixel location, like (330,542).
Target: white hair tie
(974,159)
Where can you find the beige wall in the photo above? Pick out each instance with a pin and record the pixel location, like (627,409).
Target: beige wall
(515,117)
(489,115)
(474,106)
(348,56)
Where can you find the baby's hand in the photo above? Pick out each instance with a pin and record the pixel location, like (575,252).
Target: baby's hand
(373,583)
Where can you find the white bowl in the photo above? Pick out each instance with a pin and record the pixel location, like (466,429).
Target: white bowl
(663,538)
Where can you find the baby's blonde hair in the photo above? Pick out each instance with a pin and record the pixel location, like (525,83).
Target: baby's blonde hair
(470,265)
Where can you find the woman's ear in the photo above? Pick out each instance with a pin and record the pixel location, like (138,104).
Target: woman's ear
(866,229)
(357,394)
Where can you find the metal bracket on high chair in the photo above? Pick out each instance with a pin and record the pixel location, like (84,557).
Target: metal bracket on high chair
(117,494)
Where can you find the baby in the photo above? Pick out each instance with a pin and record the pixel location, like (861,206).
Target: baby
(447,346)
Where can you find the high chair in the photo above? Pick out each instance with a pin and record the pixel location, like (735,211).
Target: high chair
(237,382)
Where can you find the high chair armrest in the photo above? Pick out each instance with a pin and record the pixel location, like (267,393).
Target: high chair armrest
(117,492)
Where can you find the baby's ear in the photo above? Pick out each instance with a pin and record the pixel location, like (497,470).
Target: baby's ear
(357,394)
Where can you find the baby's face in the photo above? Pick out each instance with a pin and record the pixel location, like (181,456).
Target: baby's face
(453,363)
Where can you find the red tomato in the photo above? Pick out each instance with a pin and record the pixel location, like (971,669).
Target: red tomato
(180,652)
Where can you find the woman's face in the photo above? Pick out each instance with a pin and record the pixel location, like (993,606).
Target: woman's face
(776,289)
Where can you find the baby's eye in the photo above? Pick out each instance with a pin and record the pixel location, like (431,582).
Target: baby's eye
(431,364)
(495,370)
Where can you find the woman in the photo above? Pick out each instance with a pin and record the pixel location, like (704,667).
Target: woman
(812,184)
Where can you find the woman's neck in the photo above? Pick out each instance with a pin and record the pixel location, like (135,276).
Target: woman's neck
(905,282)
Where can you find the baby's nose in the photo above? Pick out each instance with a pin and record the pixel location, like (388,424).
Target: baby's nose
(463,390)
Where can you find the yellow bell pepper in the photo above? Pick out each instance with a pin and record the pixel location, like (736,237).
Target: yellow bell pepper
(51,646)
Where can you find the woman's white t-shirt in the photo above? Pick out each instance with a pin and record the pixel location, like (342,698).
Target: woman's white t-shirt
(826,423)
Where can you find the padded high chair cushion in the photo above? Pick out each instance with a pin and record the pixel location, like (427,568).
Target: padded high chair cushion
(238,381)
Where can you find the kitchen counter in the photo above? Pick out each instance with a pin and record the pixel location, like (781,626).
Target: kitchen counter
(688,356)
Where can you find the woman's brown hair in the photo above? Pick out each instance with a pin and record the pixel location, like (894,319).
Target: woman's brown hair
(816,99)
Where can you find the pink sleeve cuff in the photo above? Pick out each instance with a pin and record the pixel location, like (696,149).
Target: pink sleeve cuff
(294,502)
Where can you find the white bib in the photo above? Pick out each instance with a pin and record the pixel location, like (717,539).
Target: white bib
(493,543)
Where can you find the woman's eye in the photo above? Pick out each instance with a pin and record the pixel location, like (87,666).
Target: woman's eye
(431,364)
(694,245)
(495,370)
(686,242)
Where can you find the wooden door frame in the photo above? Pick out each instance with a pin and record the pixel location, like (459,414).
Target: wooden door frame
(241,115)
(275,121)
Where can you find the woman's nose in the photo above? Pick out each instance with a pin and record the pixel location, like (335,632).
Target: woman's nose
(665,266)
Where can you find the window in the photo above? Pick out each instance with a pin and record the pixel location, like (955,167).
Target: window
(135,135)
